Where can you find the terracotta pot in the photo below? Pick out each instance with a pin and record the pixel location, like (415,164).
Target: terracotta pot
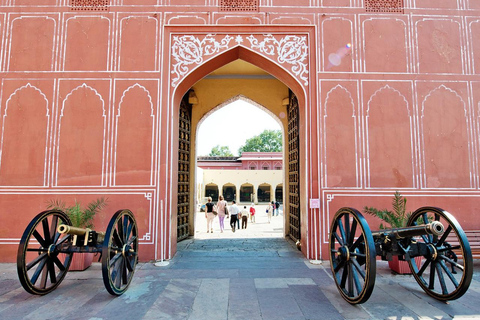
(401,267)
(81,261)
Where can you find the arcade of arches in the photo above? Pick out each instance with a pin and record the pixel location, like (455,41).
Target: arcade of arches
(245,193)
(254,177)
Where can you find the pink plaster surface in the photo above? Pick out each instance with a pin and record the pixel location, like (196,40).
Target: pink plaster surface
(89,104)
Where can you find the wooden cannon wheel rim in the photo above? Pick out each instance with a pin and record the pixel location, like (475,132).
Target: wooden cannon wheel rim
(50,267)
(437,261)
(120,252)
(352,257)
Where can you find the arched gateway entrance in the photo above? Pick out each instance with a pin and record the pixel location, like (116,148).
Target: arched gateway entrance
(283,58)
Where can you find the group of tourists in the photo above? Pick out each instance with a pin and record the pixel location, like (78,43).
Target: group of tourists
(236,214)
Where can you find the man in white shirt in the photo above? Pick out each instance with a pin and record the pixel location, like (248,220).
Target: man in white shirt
(233,211)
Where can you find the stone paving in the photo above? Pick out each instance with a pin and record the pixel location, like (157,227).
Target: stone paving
(231,276)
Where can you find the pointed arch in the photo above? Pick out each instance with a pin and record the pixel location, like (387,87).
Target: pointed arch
(389,140)
(24,139)
(340,136)
(81,161)
(445,128)
(134,135)
(237,98)
(242,53)
(297,92)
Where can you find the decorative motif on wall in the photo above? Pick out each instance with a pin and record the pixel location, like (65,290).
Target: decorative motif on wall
(291,49)
(384,6)
(238,5)
(190,50)
(89,5)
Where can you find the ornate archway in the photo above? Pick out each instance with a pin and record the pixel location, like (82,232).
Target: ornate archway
(285,56)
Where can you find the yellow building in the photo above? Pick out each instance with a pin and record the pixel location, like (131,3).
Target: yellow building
(254,177)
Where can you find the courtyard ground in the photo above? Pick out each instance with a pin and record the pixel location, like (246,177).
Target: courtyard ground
(252,274)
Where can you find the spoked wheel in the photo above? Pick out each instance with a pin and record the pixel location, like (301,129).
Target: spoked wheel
(119,253)
(446,271)
(352,255)
(40,267)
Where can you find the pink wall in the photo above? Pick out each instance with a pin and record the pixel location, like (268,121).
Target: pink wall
(86,104)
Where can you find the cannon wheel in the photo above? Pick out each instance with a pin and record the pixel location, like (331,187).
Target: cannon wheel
(40,267)
(446,272)
(352,255)
(119,253)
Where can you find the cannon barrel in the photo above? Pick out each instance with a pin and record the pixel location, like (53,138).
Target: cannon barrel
(63,228)
(435,228)
(86,233)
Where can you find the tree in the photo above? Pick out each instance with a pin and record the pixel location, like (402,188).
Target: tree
(220,151)
(267,141)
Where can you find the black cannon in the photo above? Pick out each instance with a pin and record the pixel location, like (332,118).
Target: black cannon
(446,267)
(49,242)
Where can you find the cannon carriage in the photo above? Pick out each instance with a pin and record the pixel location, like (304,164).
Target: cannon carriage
(49,242)
(432,236)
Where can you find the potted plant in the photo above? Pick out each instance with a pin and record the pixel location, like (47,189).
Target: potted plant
(81,218)
(396,218)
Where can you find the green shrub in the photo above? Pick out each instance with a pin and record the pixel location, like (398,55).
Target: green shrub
(81,217)
(396,218)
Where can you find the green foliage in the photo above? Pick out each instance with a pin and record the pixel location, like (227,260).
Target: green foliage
(81,217)
(267,141)
(397,218)
(220,151)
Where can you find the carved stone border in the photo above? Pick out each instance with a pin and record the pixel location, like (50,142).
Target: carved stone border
(290,51)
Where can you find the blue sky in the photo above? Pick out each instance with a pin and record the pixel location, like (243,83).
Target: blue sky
(232,125)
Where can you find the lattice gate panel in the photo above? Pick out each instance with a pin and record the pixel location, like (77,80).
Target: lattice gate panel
(293,169)
(183,198)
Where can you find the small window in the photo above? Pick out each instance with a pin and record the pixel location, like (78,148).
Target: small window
(239,5)
(278,168)
(265,168)
(252,168)
(394,6)
(89,5)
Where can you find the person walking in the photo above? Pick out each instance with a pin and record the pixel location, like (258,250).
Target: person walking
(252,213)
(244,217)
(273,208)
(269,212)
(222,212)
(209,206)
(277,206)
(234,211)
